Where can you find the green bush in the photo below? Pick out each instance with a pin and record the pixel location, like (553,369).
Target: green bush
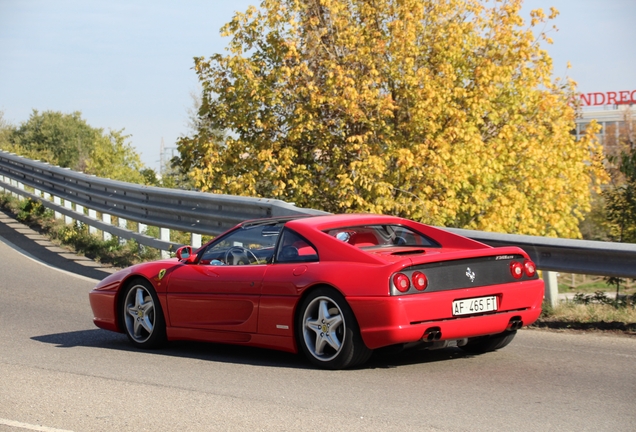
(600,297)
(30,211)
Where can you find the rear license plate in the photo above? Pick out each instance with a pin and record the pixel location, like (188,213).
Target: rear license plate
(475,305)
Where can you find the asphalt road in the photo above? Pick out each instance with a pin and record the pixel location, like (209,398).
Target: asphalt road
(60,373)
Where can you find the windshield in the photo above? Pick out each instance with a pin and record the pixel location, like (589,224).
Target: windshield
(253,244)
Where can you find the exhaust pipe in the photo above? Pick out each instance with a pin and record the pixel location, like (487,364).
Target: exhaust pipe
(515,323)
(432,334)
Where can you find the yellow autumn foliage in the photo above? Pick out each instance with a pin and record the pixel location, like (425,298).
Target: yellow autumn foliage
(444,111)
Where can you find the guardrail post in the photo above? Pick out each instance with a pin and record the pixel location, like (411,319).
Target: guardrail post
(92,214)
(21,187)
(57,200)
(551,287)
(105,234)
(14,184)
(141,229)
(79,209)
(164,234)
(195,240)
(122,223)
(67,219)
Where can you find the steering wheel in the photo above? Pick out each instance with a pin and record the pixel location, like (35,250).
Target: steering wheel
(240,256)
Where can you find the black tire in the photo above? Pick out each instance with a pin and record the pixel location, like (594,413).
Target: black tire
(328,333)
(141,315)
(489,343)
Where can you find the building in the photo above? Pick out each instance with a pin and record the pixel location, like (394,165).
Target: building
(613,111)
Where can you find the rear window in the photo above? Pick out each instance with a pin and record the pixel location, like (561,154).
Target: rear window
(381,236)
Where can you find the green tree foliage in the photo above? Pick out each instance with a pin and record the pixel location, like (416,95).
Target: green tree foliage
(176,173)
(440,110)
(6,130)
(112,157)
(173,177)
(51,136)
(620,196)
(150,177)
(68,141)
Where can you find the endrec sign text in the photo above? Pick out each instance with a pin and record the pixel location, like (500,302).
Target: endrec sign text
(624,97)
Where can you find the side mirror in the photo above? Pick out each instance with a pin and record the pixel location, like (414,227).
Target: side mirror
(184,253)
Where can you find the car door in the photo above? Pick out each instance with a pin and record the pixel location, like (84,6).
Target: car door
(221,291)
(213,297)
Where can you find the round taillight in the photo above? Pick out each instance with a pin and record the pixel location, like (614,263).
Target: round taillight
(516,269)
(401,282)
(420,282)
(529,268)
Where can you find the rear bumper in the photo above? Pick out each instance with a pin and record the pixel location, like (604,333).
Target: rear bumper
(388,321)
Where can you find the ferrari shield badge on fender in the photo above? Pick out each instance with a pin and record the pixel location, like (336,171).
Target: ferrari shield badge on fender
(162,273)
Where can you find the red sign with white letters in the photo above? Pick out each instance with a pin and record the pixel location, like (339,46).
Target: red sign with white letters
(624,97)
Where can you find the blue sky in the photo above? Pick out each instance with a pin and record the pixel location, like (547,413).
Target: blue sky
(128,64)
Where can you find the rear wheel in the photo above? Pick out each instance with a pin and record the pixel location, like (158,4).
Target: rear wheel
(142,315)
(328,333)
(489,343)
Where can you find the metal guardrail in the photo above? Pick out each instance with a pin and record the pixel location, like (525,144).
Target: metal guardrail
(104,226)
(566,255)
(180,210)
(206,213)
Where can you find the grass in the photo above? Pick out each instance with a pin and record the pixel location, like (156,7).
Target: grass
(76,236)
(569,283)
(591,312)
(603,315)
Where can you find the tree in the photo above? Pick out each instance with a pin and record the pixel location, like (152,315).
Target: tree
(68,141)
(175,174)
(439,110)
(620,196)
(6,130)
(60,139)
(112,157)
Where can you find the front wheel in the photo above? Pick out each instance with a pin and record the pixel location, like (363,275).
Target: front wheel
(489,343)
(328,333)
(142,315)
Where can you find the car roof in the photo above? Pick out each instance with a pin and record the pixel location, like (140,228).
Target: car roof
(333,221)
(328,221)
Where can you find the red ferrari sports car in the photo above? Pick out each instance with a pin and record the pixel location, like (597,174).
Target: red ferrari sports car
(333,287)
